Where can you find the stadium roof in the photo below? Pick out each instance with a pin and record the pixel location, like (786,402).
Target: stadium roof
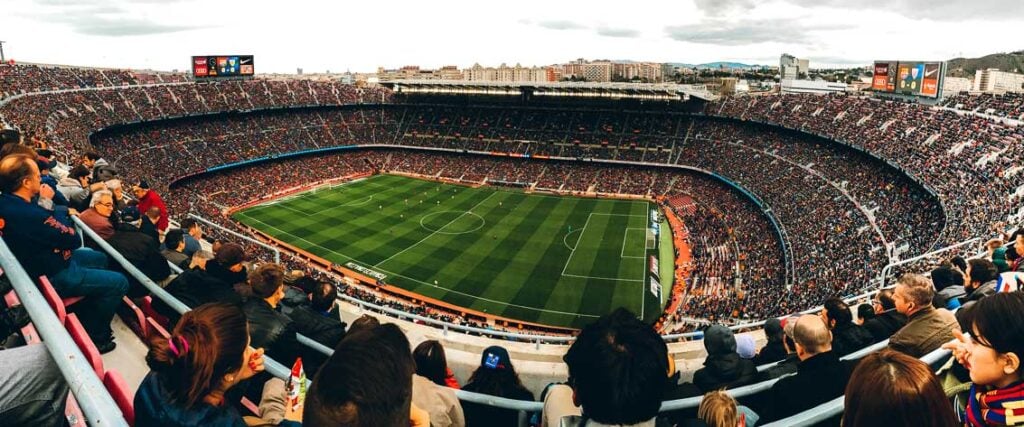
(653,91)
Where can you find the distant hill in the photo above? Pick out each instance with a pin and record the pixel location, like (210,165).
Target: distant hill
(965,67)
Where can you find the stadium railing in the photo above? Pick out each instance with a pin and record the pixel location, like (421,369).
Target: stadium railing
(885,270)
(93,398)
(276,251)
(834,407)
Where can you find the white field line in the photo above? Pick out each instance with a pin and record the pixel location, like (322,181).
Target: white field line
(435,232)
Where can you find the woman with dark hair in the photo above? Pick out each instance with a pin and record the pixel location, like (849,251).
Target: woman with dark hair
(496,377)
(207,354)
(898,389)
(993,356)
(432,364)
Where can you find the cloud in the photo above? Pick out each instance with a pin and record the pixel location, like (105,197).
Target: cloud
(99,18)
(617,32)
(743,32)
(119,27)
(558,25)
(939,10)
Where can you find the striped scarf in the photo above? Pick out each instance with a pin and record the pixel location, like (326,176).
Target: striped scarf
(1001,407)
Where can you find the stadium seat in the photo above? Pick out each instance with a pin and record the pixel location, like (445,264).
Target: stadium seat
(155,328)
(81,338)
(132,315)
(58,304)
(121,393)
(146,305)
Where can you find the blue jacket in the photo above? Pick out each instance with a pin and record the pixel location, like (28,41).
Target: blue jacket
(153,407)
(58,197)
(42,240)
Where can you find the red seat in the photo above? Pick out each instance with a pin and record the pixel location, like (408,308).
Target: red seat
(73,412)
(52,298)
(121,393)
(81,338)
(155,328)
(147,308)
(133,317)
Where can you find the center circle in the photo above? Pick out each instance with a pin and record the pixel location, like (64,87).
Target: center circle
(452,222)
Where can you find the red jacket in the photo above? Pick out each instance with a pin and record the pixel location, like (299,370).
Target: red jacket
(152,199)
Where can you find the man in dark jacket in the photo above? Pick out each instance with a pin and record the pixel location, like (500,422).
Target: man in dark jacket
(947,291)
(195,287)
(723,368)
(315,320)
(820,377)
(174,247)
(226,264)
(887,320)
(46,243)
(847,337)
(775,349)
(267,328)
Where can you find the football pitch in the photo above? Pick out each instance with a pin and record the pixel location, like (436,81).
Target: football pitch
(560,261)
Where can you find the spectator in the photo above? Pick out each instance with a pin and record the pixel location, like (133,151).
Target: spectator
(435,397)
(76,188)
(208,354)
(774,350)
(432,364)
(898,389)
(746,348)
(149,199)
(367,382)
(718,409)
(269,328)
(195,234)
(148,222)
(820,377)
(847,337)
(97,217)
(101,169)
(887,320)
(496,377)
(979,280)
(993,356)
(48,180)
(33,390)
(315,320)
(174,247)
(947,293)
(865,312)
(618,367)
(226,264)
(45,243)
(195,287)
(723,368)
(927,328)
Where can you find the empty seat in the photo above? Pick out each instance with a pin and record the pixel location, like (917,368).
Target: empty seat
(121,393)
(28,332)
(81,338)
(133,317)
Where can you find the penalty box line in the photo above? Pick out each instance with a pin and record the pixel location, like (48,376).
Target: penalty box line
(584,232)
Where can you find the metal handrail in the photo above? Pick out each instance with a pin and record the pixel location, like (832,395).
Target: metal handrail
(93,398)
(885,270)
(273,367)
(835,406)
(276,251)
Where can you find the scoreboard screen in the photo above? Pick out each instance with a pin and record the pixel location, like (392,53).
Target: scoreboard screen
(214,66)
(914,78)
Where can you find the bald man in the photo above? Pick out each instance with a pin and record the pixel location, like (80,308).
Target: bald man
(820,376)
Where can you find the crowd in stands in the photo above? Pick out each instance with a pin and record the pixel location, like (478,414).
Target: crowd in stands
(1009,105)
(18,79)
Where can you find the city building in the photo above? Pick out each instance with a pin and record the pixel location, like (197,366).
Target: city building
(994,81)
(504,73)
(793,68)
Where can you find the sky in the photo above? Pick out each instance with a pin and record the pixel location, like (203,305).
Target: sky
(360,36)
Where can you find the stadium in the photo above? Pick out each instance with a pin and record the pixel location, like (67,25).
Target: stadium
(516,214)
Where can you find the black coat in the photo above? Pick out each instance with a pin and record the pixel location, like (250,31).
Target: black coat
(849,338)
(884,325)
(143,252)
(726,371)
(819,379)
(195,287)
(773,351)
(492,416)
(273,331)
(322,328)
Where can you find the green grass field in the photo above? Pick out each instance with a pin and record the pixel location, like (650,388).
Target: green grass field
(560,261)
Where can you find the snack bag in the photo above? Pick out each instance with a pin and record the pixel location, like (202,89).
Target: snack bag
(297,386)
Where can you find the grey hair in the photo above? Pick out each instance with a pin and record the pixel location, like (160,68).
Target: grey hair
(96,196)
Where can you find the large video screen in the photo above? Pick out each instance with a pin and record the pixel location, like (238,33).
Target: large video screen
(214,66)
(908,78)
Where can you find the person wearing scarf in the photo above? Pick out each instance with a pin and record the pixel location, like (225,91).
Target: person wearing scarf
(993,357)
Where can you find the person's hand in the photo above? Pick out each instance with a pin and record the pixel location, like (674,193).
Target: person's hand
(961,348)
(418,417)
(253,364)
(72,211)
(46,192)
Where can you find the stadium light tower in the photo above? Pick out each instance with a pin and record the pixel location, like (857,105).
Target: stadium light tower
(2,59)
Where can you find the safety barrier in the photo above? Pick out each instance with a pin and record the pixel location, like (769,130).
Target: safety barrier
(92,397)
